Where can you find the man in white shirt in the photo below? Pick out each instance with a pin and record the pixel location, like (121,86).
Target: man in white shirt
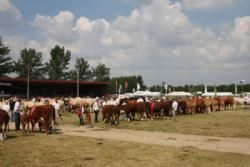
(17,110)
(174,107)
(57,109)
(96,109)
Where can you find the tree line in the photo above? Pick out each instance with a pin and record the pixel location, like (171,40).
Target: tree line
(57,68)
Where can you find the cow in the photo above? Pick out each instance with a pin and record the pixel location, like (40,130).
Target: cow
(220,102)
(190,106)
(156,108)
(4,120)
(203,105)
(44,115)
(131,107)
(24,117)
(229,103)
(110,114)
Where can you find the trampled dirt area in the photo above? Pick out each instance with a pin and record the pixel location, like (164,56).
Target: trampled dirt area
(221,144)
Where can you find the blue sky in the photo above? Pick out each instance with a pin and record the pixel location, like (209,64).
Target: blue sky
(178,41)
(93,9)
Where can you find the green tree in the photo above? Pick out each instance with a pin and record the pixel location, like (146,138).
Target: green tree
(30,60)
(58,64)
(101,73)
(84,70)
(6,62)
(155,88)
(131,83)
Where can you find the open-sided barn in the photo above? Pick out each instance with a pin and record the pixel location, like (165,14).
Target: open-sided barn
(18,86)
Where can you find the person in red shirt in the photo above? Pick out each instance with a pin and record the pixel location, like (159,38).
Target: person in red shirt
(79,112)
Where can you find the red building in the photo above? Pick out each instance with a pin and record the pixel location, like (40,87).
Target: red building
(51,88)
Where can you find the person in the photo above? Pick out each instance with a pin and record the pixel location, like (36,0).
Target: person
(57,110)
(87,115)
(17,110)
(245,102)
(12,104)
(174,107)
(79,112)
(96,109)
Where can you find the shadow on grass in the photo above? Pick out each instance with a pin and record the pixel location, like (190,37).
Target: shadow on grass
(10,137)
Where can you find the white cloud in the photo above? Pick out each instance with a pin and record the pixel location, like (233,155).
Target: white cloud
(157,40)
(58,27)
(9,16)
(205,4)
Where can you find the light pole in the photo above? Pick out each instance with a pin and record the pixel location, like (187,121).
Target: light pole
(77,83)
(28,83)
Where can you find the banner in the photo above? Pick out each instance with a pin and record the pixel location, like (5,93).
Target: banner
(215,90)
(120,89)
(126,84)
(205,88)
(235,88)
(138,86)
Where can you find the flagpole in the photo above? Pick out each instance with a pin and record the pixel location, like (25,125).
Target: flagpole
(125,88)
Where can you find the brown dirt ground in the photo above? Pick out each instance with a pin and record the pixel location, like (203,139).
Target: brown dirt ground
(221,144)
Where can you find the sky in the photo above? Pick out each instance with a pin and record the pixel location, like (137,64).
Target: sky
(175,41)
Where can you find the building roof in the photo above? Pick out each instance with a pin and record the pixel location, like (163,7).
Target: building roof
(45,81)
(218,94)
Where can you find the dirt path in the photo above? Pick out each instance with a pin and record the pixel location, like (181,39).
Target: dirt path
(222,144)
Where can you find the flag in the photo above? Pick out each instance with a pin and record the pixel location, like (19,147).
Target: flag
(166,86)
(242,81)
(205,87)
(126,84)
(138,86)
(235,88)
(120,89)
(215,90)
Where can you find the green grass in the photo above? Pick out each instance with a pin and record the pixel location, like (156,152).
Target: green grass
(38,149)
(226,124)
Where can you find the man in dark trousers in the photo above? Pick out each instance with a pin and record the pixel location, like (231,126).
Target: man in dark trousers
(17,110)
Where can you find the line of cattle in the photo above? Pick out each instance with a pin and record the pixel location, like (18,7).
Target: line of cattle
(163,107)
(44,114)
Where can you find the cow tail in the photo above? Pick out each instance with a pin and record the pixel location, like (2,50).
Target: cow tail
(54,116)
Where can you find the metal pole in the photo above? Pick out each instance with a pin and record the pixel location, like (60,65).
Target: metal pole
(77,82)
(28,84)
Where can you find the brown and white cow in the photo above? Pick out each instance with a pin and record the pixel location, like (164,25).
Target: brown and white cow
(46,113)
(4,120)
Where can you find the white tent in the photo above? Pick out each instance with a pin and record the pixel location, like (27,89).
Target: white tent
(209,94)
(179,94)
(146,93)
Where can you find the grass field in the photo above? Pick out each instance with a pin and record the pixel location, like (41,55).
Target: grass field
(226,124)
(39,149)
(58,150)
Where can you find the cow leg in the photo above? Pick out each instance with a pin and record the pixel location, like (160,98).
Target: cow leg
(5,130)
(23,126)
(33,125)
(40,126)
(1,133)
